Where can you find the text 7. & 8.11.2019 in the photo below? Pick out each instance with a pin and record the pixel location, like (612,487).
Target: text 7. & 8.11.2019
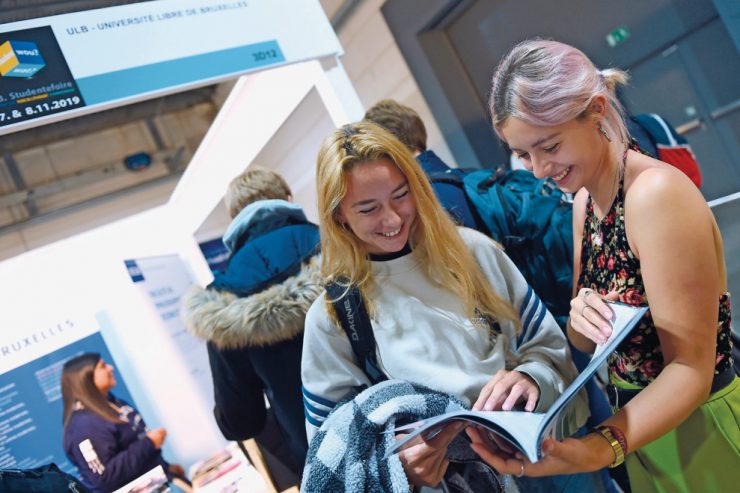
(35,110)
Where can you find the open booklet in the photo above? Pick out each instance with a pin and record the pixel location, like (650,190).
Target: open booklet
(526,430)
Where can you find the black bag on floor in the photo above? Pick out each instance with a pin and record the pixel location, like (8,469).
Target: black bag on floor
(44,479)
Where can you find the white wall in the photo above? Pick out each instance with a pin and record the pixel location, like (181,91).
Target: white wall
(377,69)
(307,125)
(85,274)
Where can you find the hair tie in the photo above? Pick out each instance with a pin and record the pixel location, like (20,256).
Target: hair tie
(348,133)
(347,147)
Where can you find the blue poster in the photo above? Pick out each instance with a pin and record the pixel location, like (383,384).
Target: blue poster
(216,254)
(31,407)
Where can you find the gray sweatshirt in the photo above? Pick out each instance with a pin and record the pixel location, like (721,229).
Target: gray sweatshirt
(423,335)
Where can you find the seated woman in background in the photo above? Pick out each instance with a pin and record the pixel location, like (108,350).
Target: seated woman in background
(105,437)
(643,234)
(449,310)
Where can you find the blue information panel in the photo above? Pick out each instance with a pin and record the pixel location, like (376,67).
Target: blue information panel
(57,67)
(31,407)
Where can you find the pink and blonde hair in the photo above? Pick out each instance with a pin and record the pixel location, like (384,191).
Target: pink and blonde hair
(547,83)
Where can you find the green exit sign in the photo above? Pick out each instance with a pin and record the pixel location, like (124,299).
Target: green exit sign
(618,36)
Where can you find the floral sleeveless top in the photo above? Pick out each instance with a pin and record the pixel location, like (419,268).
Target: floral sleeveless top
(608,264)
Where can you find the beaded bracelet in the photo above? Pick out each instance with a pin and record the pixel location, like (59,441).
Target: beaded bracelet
(616,439)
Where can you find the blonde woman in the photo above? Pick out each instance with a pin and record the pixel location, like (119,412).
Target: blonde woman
(448,309)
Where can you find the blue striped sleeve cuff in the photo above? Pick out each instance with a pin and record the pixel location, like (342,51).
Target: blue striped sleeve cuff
(316,408)
(532,313)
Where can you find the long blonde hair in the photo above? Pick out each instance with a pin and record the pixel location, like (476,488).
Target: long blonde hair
(434,237)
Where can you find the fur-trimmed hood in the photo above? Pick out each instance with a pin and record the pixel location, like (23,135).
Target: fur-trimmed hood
(270,316)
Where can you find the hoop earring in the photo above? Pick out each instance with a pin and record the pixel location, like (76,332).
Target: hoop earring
(603,132)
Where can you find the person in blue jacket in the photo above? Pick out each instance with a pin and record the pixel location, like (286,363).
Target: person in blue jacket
(406,124)
(252,318)
(105,437)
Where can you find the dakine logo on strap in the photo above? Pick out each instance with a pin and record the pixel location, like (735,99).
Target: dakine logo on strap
(351,320)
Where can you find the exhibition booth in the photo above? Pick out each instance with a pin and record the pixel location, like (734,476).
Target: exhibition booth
(116,289)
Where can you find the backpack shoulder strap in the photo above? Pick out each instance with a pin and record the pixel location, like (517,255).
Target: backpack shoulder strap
(352,314)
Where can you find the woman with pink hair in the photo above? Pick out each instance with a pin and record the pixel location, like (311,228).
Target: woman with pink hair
(643,235)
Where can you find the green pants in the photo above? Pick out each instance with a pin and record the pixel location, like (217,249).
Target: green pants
(702,455)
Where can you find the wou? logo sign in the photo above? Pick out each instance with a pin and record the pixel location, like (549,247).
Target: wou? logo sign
(20,59)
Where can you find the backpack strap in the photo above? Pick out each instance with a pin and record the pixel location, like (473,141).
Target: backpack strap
(350,308)
(486,184)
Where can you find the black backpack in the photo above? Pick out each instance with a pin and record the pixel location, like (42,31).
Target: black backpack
(531,218)
(44,479)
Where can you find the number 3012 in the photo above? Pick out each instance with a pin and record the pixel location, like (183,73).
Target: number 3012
(261,56)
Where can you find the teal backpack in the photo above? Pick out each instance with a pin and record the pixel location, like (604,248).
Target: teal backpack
(531,218)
